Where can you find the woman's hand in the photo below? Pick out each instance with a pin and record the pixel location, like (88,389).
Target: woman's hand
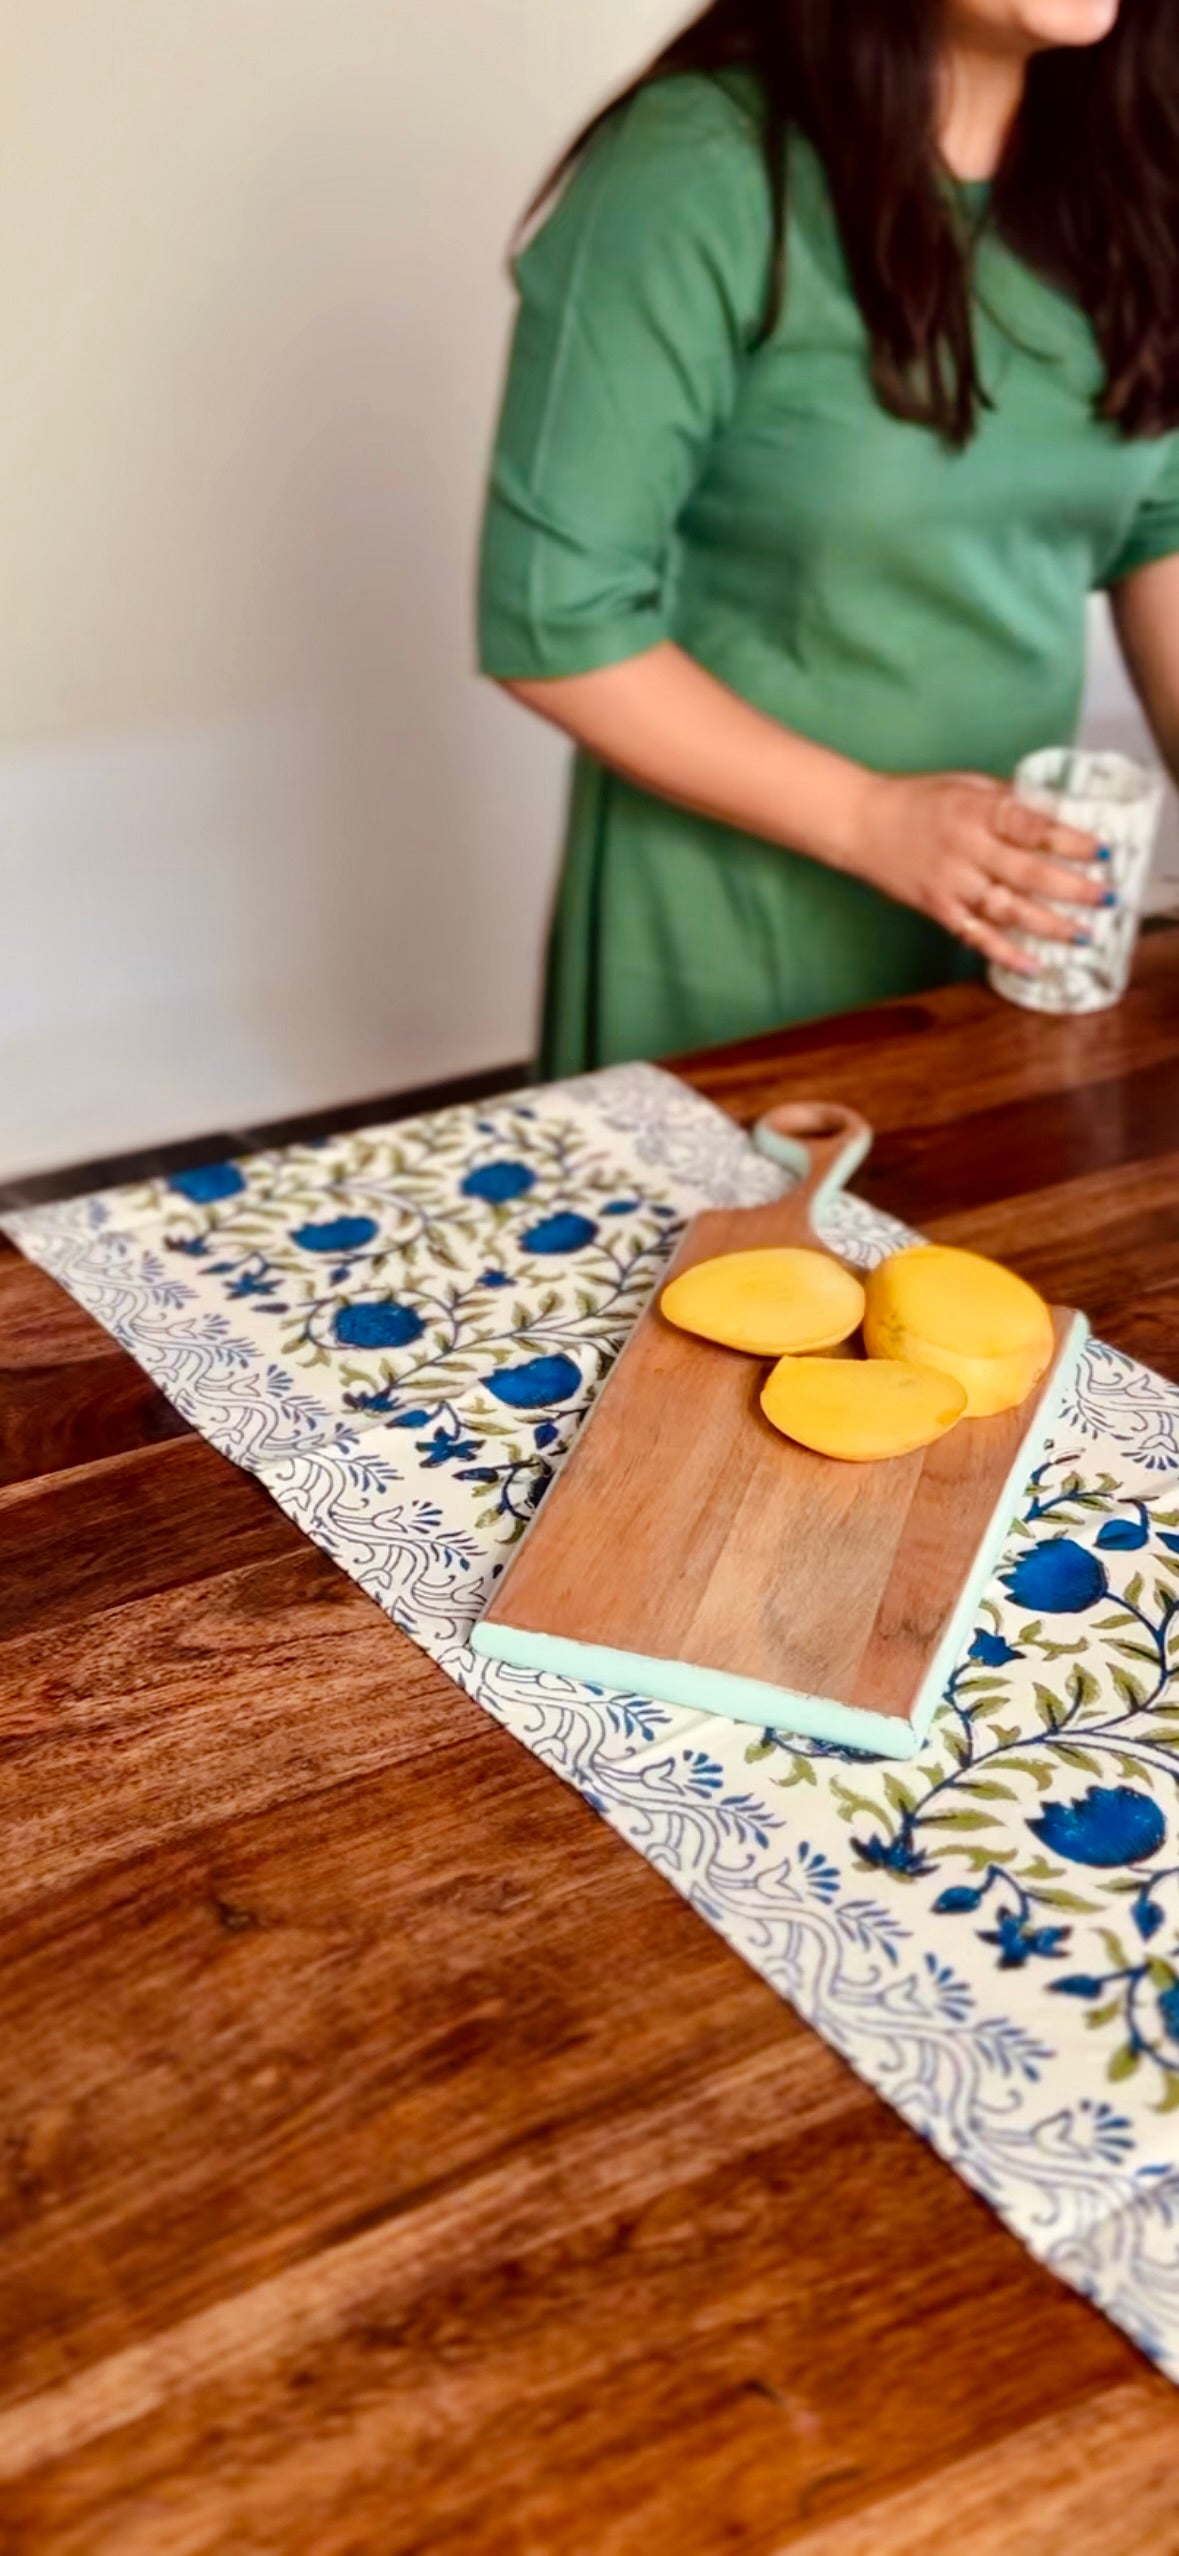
(957,847)
(968,852)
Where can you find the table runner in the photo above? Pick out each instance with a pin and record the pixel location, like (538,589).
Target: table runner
(398,1332)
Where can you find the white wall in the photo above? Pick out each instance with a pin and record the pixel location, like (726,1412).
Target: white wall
(264,842)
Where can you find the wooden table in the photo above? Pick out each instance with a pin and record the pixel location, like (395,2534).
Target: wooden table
(392,2161)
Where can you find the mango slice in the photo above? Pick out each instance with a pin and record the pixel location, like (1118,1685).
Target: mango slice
(966,1316)
(861,1409)
(767,1302)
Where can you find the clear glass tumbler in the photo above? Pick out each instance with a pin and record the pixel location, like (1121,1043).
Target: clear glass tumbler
(1120,802)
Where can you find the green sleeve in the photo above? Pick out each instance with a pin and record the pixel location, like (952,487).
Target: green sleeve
(1154,533)
(638,301)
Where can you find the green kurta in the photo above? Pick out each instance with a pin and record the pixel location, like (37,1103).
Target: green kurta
(656,478)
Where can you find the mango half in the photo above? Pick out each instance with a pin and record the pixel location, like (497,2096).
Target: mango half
(767,1302)
(861,1409)
(965,1316)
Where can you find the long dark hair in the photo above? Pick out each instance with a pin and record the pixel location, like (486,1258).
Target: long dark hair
(1088,191)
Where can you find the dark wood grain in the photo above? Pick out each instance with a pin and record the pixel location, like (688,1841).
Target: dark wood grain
(68,1395)
(393,2163)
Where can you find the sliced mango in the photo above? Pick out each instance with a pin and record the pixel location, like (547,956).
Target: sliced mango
(861,1409)
(968,1316)
(767,1302)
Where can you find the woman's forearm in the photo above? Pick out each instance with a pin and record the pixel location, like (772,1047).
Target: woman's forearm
(664,722)
(954,846)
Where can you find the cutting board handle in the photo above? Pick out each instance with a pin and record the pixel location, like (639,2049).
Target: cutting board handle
(821,1141)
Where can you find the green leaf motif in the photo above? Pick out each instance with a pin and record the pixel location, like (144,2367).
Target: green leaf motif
(1052,1710)
(1123,2064)
(961,1819)
(1068,1754)
(851,1804)
(1040,1771)
(899,1795)
(802,1773)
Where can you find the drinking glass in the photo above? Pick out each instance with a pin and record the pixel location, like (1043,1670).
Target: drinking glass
(1120,802)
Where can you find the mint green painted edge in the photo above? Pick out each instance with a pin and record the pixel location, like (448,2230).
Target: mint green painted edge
(749,1699)
(708,1691)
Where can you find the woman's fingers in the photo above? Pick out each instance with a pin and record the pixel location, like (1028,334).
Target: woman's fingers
(1000,909)
(992,944)
(1032,830)
(1034,875)
(1010,912)
(1029,874)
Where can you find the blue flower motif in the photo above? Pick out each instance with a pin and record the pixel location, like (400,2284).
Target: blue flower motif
(1123,1535)
(411,1419)
(378,1326)
(1080,1983)
(343,1233)
(537,1382)
(956,1902)
(208,1182)
(495,1278)
(1169,2010)
(899,1856)
(1057,1578)
(1147,1915)
(1171,1542)
(565,1232)
(545,1432)
(992,1650)
(622,1207)
(1112,1824)
(441,1449)
(1019,1943)
(496,1183)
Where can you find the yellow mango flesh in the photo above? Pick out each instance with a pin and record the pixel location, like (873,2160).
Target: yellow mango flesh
(967,1316)
(861,1409)
(767,1302)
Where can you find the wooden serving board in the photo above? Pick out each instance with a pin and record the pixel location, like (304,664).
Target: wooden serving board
(688,1552)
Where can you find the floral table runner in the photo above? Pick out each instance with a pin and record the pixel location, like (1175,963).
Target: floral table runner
(399,1331)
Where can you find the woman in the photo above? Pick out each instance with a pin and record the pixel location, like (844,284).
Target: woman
(847,365)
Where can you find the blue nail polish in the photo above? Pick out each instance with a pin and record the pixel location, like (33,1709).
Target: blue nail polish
(1084,938)
(1103,852)
(1110,897)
